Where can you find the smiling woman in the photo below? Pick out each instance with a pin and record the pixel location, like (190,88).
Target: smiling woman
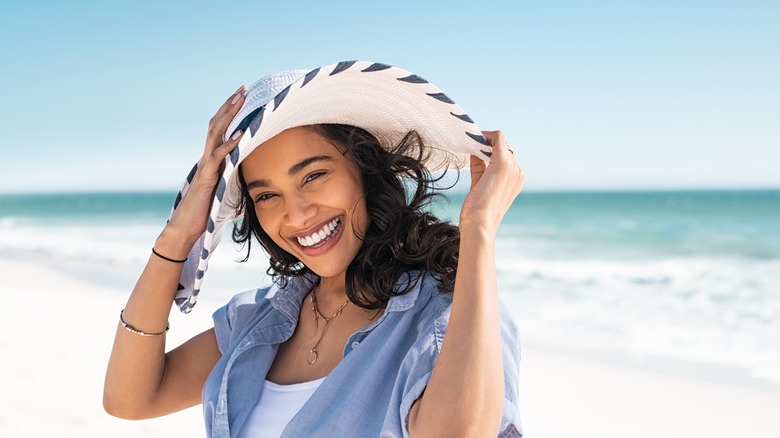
(382,319)
(299,185)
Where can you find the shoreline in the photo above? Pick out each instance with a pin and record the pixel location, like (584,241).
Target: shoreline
(121,278)
(74,307)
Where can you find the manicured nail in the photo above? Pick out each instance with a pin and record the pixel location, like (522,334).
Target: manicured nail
(236,135)
(235,99)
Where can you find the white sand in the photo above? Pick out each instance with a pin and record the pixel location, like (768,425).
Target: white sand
(565,396)
(55,339)
(56,333)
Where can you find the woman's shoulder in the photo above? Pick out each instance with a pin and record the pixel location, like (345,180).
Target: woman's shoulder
(285,291)
(425,301)
(281,298)
(419,290)
(249,299)
(240,309)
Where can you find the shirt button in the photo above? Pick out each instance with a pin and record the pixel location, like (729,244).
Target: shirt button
(355,344)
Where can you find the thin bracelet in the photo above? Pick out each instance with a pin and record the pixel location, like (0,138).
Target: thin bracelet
(132,329)
(168,258)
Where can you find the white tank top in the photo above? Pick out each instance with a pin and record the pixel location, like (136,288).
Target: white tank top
(276,407)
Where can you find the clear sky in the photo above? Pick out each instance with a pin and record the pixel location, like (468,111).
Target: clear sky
(98,96)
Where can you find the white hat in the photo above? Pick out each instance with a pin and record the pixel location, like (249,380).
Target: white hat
(386,101)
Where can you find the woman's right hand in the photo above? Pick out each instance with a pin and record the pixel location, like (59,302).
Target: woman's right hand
(189,220)
(142,381)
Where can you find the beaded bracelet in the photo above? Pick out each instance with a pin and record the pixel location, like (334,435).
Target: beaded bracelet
(132,329)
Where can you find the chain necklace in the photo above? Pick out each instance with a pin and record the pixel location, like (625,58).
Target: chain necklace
(313,353)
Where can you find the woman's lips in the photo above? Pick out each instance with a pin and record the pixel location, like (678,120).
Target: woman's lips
(324,245)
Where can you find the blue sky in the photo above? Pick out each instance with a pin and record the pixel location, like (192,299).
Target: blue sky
(99,96)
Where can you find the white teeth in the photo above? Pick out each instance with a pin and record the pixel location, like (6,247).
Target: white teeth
(321,235)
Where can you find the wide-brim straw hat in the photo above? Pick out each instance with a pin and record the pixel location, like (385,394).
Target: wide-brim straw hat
(384,100)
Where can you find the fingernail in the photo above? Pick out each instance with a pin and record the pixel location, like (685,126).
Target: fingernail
(236,135)
(239,89)
(235,99)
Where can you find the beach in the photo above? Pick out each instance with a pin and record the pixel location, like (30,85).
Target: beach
(55,339)
(640,313)
(59,320)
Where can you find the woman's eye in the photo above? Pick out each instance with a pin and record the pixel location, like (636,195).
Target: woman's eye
(313,176)
(264,197)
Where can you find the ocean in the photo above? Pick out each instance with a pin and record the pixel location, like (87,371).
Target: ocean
(682,277)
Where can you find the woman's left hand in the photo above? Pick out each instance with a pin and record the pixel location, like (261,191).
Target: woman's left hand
(493,186)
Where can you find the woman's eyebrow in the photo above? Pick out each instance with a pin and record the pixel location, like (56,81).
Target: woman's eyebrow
(258,183)
(295,168)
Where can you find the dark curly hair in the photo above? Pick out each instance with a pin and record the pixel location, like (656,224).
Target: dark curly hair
(401,235)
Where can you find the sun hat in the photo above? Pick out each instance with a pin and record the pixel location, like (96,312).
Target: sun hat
(384,100)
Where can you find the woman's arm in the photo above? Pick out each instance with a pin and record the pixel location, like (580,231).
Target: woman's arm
(142,381)
(465,394)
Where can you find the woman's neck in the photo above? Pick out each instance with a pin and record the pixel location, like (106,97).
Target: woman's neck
(332,292)
(331,295)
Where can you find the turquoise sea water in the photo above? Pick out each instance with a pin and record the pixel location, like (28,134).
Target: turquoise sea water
(690,276)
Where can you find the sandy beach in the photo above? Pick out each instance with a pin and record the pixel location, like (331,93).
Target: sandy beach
(58,325)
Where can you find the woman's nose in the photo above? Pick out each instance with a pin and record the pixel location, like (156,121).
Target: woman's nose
(299,211)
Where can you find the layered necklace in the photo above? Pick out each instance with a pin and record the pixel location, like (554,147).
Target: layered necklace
(314,353)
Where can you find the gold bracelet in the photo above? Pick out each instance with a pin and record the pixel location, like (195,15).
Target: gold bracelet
(132,329)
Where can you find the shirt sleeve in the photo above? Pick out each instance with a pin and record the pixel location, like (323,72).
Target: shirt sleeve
(510,341)
(428,352)
(223,326)
(230,318)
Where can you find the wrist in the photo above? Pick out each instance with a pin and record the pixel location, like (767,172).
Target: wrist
(477,226)
(174,245)
(472,234)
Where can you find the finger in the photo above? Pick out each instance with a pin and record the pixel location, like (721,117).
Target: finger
(219,123)
(498,143)
(229,145)
(232,103)
(217,155)
(511,152)
(232,99)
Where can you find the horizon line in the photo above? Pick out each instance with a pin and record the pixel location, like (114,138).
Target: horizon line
(562,190)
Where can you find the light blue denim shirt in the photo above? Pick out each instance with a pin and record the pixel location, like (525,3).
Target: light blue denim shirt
(384,369)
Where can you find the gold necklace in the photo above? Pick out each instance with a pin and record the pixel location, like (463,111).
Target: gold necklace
(313,353)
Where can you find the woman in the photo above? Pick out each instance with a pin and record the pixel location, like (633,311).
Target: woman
(382,320)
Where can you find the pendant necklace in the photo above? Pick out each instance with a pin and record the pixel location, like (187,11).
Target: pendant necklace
(313,353)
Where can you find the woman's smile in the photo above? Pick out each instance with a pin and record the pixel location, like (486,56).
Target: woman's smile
(323,238)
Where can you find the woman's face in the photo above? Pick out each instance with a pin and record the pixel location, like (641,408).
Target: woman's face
(308,198)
